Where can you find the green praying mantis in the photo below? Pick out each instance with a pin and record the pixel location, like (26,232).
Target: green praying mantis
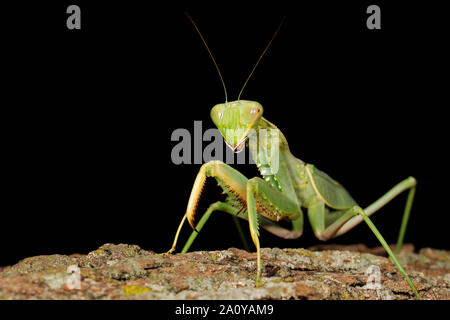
(288,186)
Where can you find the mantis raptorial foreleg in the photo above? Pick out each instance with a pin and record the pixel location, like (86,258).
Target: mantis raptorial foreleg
(272,204)
(231,180)
(257,197)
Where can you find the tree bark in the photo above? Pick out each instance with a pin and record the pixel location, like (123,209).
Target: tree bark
(129,272)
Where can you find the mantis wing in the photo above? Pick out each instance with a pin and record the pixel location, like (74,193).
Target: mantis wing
(330,191)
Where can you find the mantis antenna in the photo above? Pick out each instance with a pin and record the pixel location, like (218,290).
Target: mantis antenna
(260,57)
(210,54)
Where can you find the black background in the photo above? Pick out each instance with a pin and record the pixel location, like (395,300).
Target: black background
(89,115)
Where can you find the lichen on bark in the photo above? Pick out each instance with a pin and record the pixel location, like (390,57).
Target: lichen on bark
(128,272)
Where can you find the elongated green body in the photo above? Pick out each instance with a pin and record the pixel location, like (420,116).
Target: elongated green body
(295,183)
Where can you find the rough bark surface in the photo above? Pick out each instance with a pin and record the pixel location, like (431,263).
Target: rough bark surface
(128,272)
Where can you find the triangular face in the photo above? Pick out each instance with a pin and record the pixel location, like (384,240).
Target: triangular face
(235,119)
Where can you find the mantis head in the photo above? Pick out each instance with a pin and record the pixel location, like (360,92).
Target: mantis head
(235,119)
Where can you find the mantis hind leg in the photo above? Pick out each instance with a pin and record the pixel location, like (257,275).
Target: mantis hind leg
(409,183)
(372,227)
(329,224)
(319,212)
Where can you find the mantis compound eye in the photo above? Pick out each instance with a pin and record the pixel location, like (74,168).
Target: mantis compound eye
(255,110)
